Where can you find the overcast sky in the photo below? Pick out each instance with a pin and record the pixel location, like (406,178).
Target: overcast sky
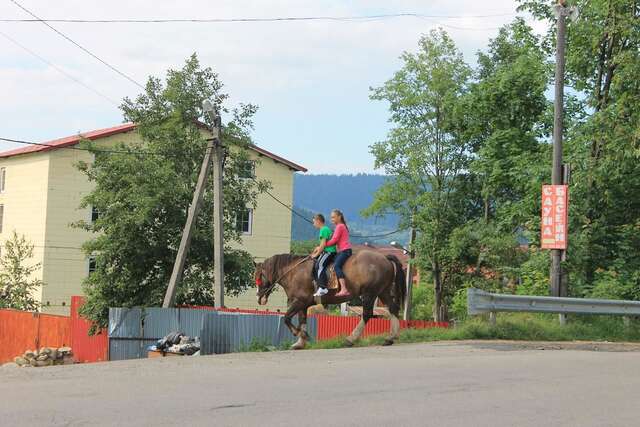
(310,79)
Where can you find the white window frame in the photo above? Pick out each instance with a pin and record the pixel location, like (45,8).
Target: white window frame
(249,232)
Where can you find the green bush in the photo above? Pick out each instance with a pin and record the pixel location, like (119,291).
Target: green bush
(422,302)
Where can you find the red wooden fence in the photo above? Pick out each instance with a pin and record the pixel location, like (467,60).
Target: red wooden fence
(23,330)
(86,348)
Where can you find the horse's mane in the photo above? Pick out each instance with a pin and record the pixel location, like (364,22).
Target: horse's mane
(272,266)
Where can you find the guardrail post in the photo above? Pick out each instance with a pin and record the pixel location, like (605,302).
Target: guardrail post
(626,320)
(562,318)
(493,317)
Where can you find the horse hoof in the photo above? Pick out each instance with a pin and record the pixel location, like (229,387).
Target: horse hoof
(298,345)
(387,342)
(348,343)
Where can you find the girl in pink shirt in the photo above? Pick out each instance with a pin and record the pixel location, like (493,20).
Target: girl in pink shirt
(341,239)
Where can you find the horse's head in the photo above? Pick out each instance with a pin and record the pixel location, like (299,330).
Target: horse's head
(263,284)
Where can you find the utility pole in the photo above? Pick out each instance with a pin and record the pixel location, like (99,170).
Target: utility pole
(194,209)
(556,172)
(218,218)
(410,268)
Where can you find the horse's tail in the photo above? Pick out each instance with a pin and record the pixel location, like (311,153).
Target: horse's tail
(399,290)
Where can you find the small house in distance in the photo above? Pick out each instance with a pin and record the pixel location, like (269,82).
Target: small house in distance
(40,194)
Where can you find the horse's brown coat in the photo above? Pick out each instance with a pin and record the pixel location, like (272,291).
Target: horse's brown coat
(370,275)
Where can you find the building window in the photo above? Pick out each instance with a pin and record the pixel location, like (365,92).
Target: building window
(95,214)
(248,169)
(92,265)
(1,217)
(244,221)
(3,179)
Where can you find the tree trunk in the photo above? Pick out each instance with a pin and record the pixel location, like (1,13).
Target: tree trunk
(439,308)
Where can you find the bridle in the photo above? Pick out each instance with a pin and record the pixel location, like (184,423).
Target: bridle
(273,284)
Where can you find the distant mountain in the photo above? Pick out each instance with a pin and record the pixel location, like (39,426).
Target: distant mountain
(349,193)
(301,229)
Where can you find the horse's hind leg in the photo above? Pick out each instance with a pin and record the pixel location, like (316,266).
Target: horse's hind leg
(367,313)
(394,311)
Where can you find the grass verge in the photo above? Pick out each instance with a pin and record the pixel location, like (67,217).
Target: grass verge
(517,327)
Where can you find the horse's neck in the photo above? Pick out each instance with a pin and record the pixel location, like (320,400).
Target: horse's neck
(285,274)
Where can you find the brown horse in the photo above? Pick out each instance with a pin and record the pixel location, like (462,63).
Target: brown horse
(370,275)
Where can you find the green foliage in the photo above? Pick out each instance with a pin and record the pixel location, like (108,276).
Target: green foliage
(603,62)
(304,247)
(143,197)
(521,327)
(534,275)
(422,301)
(425,151)
(17,284)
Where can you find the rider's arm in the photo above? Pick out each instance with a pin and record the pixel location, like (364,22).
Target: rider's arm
(318,250)
(336,236)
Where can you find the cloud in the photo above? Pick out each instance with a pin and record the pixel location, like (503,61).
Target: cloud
(310,79)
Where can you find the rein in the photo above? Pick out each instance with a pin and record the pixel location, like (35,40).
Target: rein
(275,282)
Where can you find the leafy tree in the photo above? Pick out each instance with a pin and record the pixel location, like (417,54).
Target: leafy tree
(507,120)
(17,284)
(303,247)
(143,195)
(504,112)
(425,151)
(603,62)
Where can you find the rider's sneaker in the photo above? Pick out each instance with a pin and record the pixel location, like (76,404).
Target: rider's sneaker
(320,292)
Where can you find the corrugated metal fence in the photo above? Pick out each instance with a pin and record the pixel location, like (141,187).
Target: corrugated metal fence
(133,330)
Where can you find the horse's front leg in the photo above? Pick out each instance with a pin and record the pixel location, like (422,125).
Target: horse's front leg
(303,337)
(294,307)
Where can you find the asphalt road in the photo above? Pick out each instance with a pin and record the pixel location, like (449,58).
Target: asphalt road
(441,384)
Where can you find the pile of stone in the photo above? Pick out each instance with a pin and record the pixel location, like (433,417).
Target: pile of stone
(46,356)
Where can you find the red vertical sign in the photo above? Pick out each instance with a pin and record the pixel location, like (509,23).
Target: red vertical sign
(555,206)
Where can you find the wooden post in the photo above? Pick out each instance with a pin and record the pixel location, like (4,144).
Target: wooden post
(410,268)
(185,242)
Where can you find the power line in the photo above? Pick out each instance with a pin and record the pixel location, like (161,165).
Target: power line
(58,69)
(379,235)
(84,49)
(249,20)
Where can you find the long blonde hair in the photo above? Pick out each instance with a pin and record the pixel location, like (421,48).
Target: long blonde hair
(339,213)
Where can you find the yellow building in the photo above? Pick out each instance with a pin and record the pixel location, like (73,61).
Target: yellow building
(41,189)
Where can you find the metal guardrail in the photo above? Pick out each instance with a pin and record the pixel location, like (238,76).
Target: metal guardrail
(479,302)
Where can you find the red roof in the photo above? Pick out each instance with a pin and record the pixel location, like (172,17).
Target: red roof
(127,127)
